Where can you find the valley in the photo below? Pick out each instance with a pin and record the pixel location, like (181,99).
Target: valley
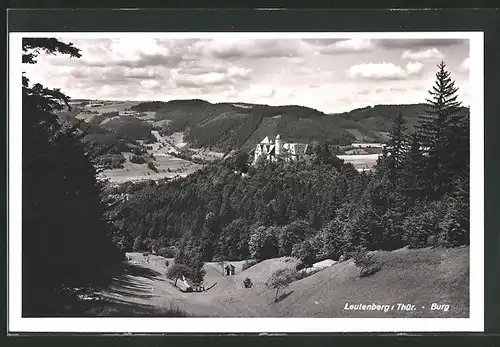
(168,139)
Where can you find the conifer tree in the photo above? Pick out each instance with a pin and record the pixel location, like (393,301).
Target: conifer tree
(395,149)
(442,134)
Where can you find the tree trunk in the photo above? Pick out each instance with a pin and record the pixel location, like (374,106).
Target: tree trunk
(276,296)
(175,284)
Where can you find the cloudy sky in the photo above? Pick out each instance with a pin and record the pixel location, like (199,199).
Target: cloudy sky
(331,75)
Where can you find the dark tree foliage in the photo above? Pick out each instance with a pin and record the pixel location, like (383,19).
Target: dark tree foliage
(192,260)
(395,149)
(66,239)
(324,156)
(247,283)
(411,178)
(33,46)
(218,210)
(137,159)
(305,252)
(241,161)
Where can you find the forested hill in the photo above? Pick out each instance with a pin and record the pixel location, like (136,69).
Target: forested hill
(227,126)
(215,209)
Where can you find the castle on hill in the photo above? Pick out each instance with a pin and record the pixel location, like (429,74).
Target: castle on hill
(272,150)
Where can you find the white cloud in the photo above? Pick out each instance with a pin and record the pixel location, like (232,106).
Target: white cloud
(150,84)
(430,54)
(465,65)
(355,45)
(235,71)
(347,46)
(414,67)
(384,71)
(200,76)
(258,48)
(257,91)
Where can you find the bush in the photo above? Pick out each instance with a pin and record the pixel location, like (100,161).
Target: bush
(137,159)
(167,263)
(111,161)
(247,283)
(454,227)
(422,226)
(305,252)
(167,252)
(249,263)
(139,150)
(366,262)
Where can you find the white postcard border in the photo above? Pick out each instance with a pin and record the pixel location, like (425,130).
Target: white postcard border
(475,323)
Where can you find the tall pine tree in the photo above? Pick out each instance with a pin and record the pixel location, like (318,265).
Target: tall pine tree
(442,135)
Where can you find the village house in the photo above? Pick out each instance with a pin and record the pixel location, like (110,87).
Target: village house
(278,148)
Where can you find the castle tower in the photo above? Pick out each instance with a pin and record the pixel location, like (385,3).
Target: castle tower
(278,145)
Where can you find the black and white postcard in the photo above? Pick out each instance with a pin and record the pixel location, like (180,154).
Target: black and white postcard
(226,182)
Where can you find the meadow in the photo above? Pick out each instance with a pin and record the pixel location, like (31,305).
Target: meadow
(404,278)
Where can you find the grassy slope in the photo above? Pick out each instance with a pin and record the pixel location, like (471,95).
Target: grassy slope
(418,277)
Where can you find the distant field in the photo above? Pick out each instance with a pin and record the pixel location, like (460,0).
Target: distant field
(115,106)
(149,116)
(135,172)
(361,161)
